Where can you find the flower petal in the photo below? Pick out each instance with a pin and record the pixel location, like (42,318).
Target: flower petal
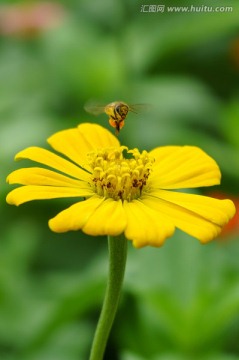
(98,136)
(41,176)
(32,192)
(183,167)
(214,210)
(186,220)
(76,143)
(145,226)
(108,219)
(54,161)
(75,217)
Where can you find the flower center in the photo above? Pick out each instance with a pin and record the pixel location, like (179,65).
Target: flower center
(117,177)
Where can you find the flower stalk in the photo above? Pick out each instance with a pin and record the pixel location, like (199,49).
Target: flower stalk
(117,261)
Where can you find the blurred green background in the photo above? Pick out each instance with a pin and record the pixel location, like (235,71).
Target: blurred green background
(180,302)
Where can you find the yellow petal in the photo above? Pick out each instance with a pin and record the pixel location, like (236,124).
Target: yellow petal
(75,217)
(108,219)
(41,176)
(32,192)
(183,167)
(184,219)
(54,161)
(98,136)
(145,226)
(214,210)
(76,143)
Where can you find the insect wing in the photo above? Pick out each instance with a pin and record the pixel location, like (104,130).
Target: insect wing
(94,108)
(138,108)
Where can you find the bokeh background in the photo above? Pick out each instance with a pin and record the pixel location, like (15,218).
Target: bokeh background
(180,302)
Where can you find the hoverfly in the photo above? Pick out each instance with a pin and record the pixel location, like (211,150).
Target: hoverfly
(117,112)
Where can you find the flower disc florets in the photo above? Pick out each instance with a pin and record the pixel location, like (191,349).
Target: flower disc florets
(117,177)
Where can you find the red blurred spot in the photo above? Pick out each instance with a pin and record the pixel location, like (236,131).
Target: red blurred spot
(29,19)
(233,225)
(234,53)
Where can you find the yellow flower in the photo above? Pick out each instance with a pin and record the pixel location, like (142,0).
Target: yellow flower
(123,191)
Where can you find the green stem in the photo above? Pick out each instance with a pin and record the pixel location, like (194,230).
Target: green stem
(117,260)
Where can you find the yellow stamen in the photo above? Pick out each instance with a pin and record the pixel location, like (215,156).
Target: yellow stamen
(114,176)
